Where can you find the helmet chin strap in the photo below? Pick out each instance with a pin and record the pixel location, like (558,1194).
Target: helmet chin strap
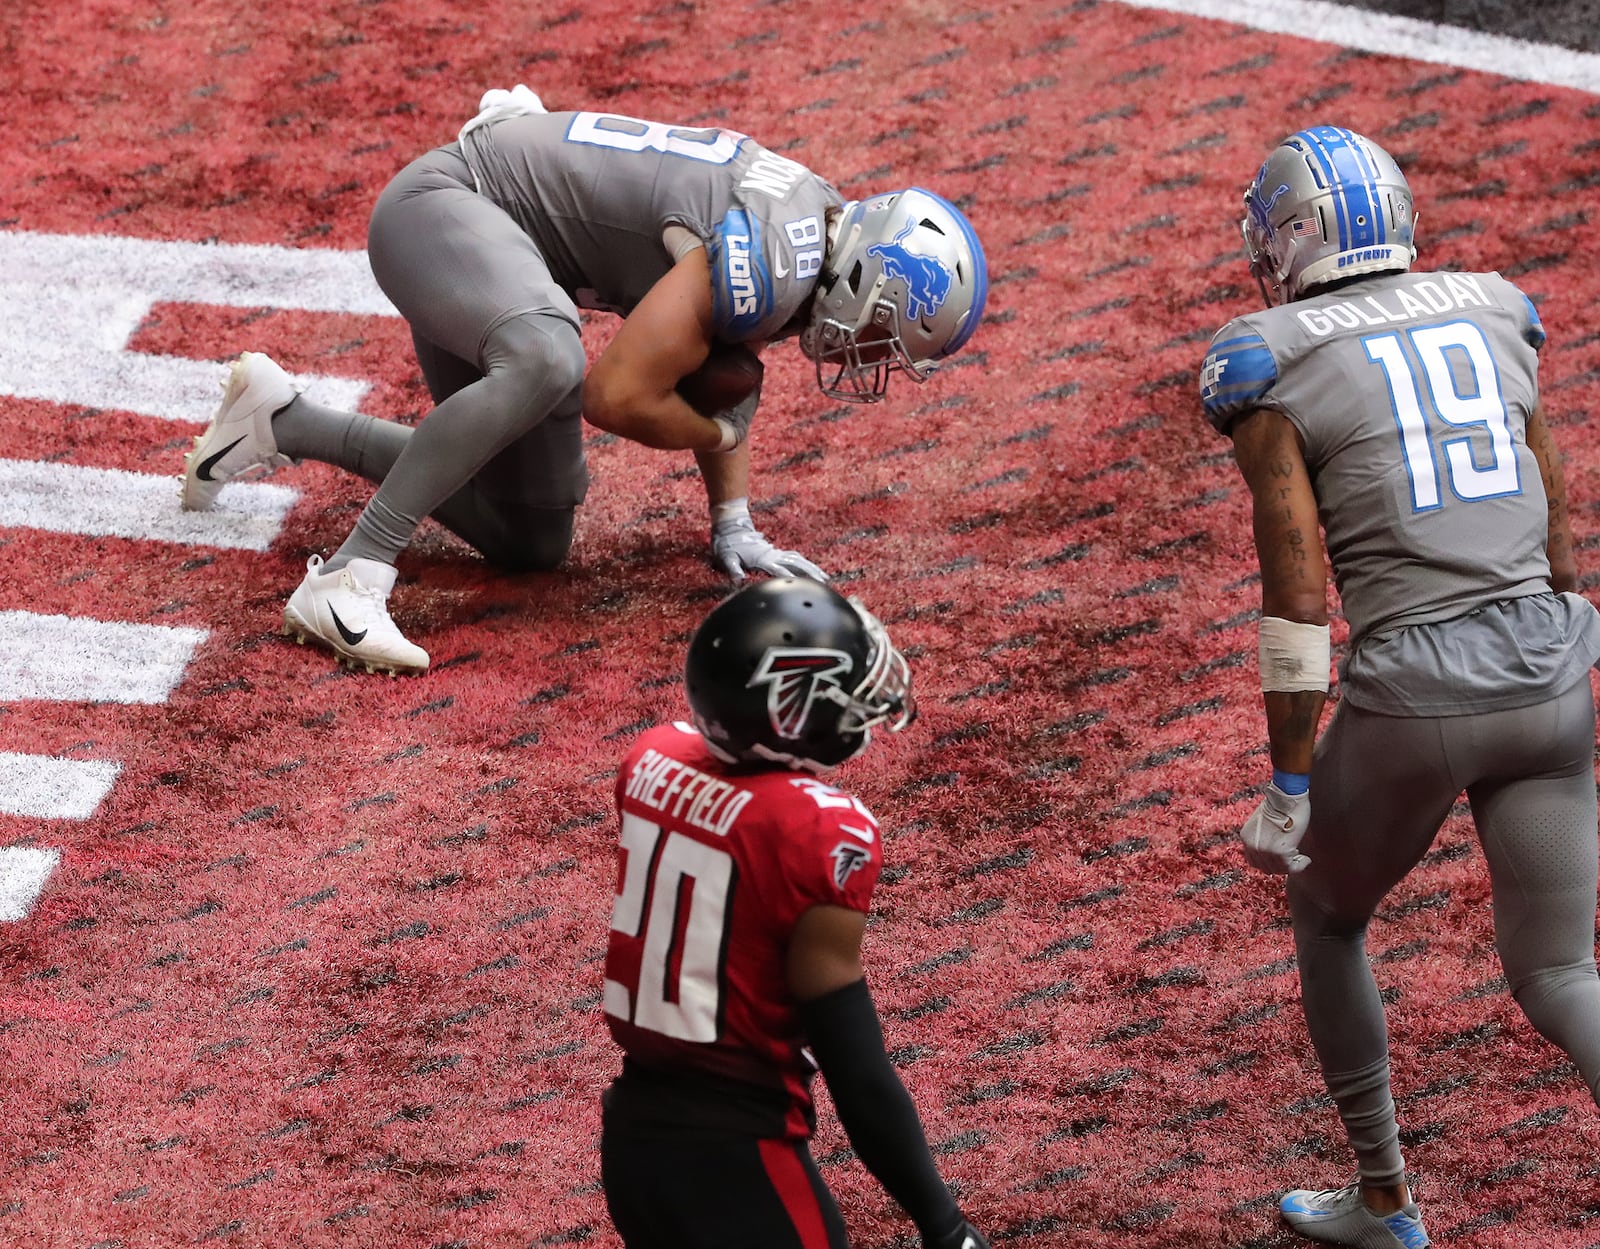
(834,216)
(806,316)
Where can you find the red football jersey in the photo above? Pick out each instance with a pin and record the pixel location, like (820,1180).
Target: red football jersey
(716,866)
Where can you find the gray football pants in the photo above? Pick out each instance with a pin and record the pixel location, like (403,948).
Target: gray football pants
(499,461)
(1381,786)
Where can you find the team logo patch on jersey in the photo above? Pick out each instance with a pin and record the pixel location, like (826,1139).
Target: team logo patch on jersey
(741,288)
(847,860)
(796,677)
(927,281)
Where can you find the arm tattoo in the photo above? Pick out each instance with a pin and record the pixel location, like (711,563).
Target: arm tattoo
(1298,552)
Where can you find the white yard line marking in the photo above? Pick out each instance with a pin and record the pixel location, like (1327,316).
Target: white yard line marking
(46,788)
(72,301)
(1385,33)
(76,659)
(23,873)
(102,502)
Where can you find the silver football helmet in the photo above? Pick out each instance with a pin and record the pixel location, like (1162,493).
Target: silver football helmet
(1327,204)
(903,285)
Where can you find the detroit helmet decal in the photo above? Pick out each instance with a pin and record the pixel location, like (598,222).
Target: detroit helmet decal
(927,281)
(796,677)
(1268,205)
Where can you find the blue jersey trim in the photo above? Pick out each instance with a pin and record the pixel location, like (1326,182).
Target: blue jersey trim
(1533,333)
(1237,373)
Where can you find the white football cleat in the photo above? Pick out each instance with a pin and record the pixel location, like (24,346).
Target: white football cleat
(348,611)
(239,438)
(1340,1217)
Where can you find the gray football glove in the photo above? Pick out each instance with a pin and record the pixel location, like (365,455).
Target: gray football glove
(739,548)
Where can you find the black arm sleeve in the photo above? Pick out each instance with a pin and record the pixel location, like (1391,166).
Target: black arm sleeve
(874,1107)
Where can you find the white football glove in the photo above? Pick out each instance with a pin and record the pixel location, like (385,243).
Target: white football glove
(739,548)
(1272,834)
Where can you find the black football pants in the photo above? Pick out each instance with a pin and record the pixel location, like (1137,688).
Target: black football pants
(717,1192)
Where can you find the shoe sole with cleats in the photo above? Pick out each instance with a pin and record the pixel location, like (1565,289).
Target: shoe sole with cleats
(296,628)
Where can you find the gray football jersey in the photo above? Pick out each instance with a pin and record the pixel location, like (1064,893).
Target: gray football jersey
(596,192)
(1411,394)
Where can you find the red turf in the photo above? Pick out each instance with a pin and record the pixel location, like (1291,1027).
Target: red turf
(322,970)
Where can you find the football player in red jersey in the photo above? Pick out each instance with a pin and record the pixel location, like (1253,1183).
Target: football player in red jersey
(734,967)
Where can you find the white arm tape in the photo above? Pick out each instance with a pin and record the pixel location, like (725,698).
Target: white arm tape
(1293,656)
(730,435)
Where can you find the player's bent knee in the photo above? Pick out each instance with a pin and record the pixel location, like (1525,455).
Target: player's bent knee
(540,358)
(1535,986)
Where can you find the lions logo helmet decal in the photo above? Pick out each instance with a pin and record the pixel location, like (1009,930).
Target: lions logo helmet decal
(927,281)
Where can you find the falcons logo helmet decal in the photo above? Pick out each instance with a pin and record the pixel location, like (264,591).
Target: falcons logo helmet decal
(796,677)
(788,671)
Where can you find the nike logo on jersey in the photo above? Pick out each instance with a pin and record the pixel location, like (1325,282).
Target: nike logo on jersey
(210,462)
(349,637)
(778,269)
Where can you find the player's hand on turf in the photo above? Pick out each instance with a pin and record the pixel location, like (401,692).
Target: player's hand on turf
(739,548)
(965,1236)
(1272,834)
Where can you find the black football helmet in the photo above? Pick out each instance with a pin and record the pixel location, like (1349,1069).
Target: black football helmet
(790,671)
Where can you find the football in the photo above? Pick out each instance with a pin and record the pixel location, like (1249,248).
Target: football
(728,376)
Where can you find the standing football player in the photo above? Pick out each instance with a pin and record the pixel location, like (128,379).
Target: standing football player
(734,966)
(708,244)
(1404,409)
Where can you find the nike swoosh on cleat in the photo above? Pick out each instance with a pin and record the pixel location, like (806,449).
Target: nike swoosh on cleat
(351,639)
(203,472)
